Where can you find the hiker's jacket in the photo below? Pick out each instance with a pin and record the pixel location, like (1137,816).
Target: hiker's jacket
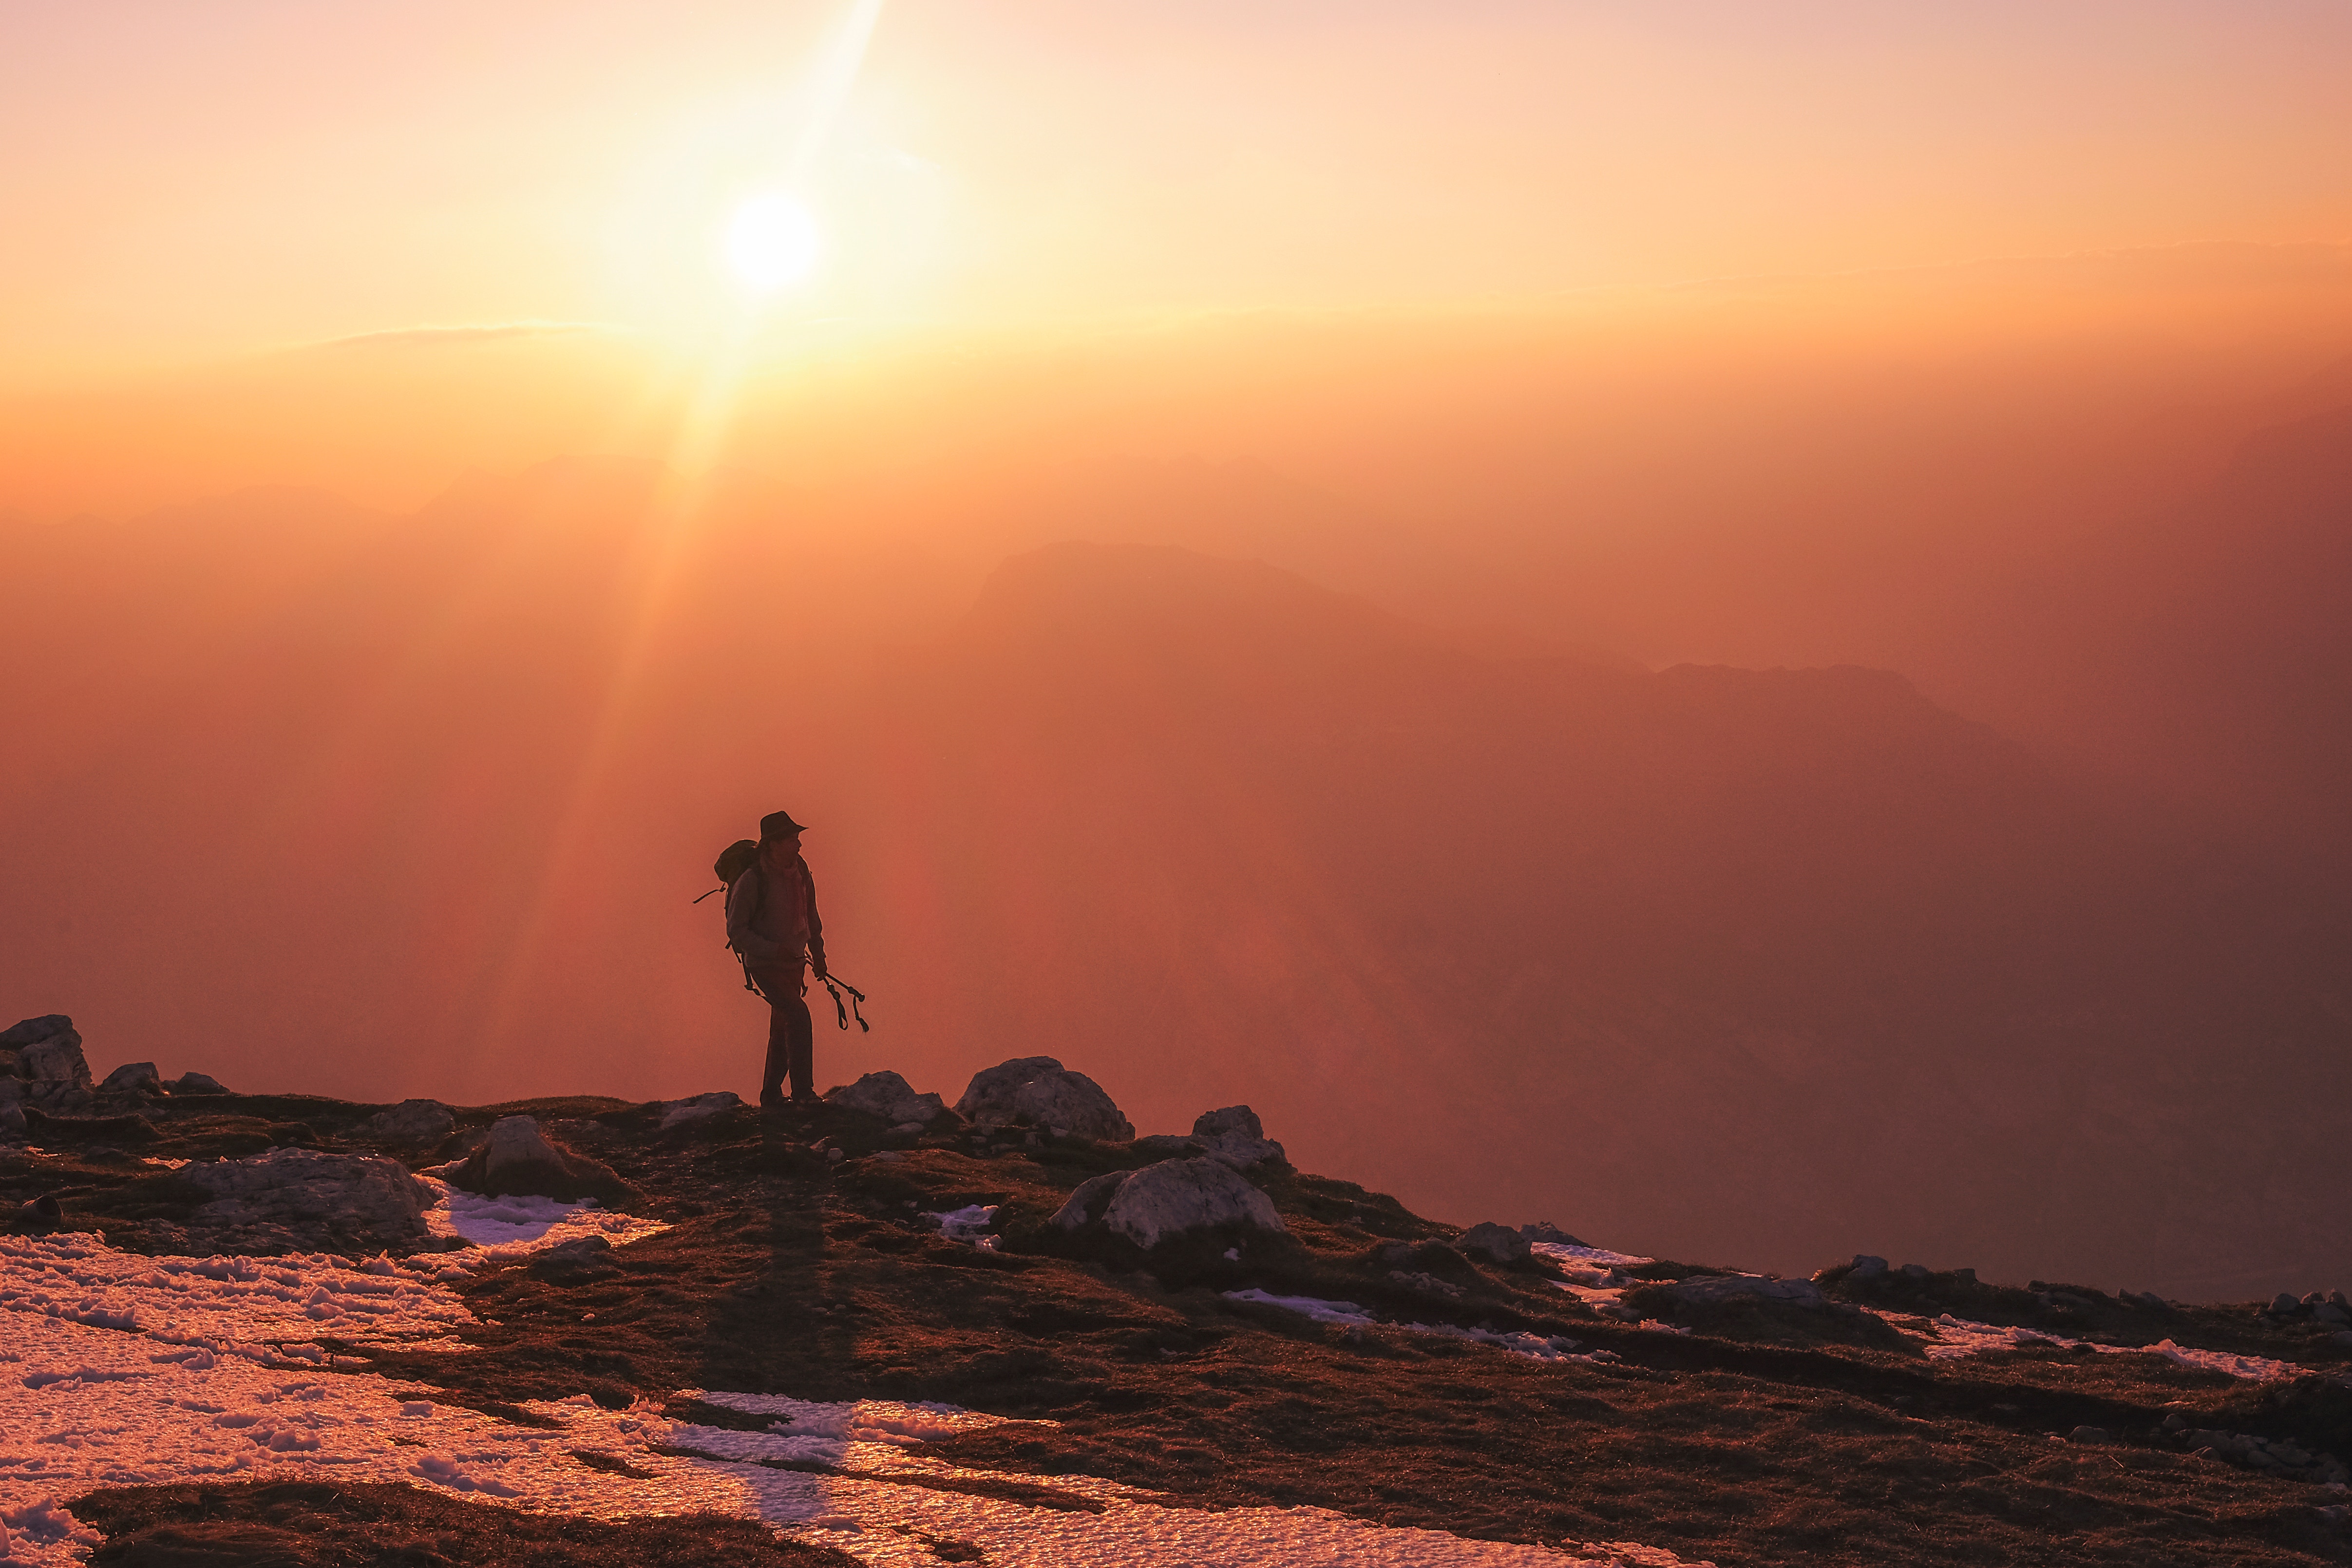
(771,919)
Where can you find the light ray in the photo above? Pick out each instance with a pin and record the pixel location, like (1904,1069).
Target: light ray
(672,529)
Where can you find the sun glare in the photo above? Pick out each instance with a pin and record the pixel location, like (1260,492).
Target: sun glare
(772,242)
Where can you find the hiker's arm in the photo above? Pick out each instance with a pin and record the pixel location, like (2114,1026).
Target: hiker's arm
(816,926)
(742,902)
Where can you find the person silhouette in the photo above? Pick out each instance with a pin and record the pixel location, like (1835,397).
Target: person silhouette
(773,927)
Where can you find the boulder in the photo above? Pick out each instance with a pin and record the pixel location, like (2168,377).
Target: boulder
(1161,1202)
(49,1061)
(57,1059)
(1709,1289)
(1497,1243)
(1085,1207)
(197,1083)
(12,1108)
(1039,1092)
(1865,1267)
(888,1096)
(1234,1136)
(133,1078)
(32,1032)
(516,1161)
(575,1262)
(304,1200)
(411,1121)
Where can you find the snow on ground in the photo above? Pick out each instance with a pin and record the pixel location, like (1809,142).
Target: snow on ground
(1569,1256)
(506,1225)
(1958,1337)
(123,1370)
(1592,1276)
(1534,1346)
(970,1224)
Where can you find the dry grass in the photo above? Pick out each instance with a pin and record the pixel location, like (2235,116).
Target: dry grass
(1759,1437)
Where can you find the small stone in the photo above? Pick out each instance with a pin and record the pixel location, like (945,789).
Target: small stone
(133,1078)
(836,1154)
(411,1121)
(2174,1422)
(1915,1271)
(1235,1137)
(2089,1434)
(908,1130)
(42,1213)
(1497,1243)
(516,1161)
(677,1113)
(1711,1289)
(888,1096)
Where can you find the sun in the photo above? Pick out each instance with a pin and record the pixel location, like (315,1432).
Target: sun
(772,242)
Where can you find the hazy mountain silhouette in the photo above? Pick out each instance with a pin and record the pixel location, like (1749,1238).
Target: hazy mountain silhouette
(1758,965)
(1722,952)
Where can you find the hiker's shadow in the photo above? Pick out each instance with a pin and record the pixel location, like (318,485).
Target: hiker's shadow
(789,1330)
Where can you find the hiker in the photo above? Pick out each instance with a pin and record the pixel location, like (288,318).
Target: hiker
(772,924)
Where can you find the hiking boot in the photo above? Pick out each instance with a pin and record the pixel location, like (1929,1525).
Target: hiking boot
(807,1100)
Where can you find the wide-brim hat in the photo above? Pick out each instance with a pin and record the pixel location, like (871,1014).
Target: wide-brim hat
(777,824)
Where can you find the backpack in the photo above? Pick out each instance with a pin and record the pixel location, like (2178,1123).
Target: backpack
(732,862)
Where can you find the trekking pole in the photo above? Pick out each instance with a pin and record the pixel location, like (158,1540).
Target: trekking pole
(834,987)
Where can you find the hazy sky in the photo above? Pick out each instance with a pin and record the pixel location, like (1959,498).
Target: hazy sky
(183,181)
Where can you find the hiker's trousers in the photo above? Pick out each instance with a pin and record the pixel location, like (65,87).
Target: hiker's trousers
(792,1036)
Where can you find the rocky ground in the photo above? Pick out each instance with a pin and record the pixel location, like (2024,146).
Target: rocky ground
(1192,1316)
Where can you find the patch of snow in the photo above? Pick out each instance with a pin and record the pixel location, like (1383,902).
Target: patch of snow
(1562,1253)
(266,1310)
(1534,1346)
(865,1421)
(510,1225)
(970,1224)
(147,1372)
(167,1165)
(1958,1337)
(124,1370)
(1308,1306)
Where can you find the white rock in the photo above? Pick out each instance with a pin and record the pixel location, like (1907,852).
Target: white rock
(306,1200)
(1176,1196)
(1041,1090)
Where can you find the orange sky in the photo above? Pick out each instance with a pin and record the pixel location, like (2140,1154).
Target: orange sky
(183,181)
